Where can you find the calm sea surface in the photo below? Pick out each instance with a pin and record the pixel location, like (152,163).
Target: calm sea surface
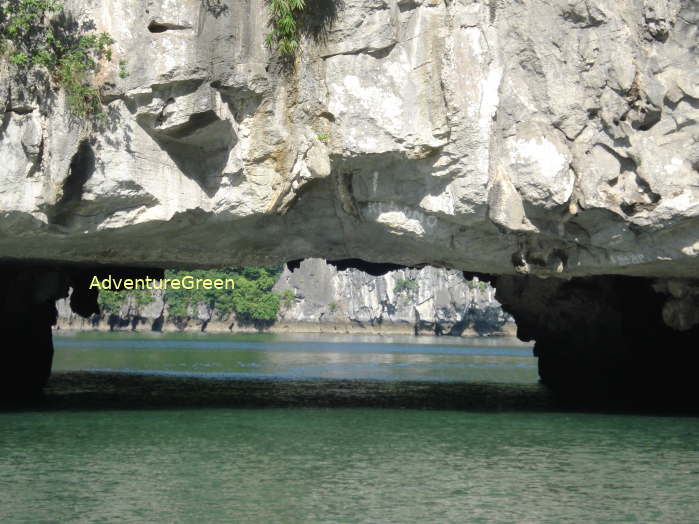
(336,465)
(302,357)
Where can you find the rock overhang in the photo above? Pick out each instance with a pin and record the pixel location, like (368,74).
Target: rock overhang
(555,139)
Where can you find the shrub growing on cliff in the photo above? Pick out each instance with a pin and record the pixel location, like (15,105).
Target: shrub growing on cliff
(38,34)
(287,297)
(283,21)
(253,299)
(253,303)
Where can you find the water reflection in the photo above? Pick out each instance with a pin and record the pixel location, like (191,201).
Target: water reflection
(265,356)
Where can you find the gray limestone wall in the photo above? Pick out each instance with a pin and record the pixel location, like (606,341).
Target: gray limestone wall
(419,300)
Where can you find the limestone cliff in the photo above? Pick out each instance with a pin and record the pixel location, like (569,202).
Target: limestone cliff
(543,137)
(438,301)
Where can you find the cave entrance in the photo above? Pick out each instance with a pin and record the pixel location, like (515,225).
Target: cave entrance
(603,337)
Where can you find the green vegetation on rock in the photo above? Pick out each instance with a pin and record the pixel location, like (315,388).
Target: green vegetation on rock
(38,34)
(110,302)
(283,21)
(182,302)
(287,297)
(252,299)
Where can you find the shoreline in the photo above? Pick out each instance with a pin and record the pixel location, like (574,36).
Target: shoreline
(280,327)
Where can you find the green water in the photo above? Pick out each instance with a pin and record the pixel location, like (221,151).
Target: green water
(176,465)
(358,465)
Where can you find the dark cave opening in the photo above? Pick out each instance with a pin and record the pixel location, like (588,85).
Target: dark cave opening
(598,339)
(161,27)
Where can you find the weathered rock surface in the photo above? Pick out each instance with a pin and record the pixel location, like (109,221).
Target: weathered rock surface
(498,136)
(438,301)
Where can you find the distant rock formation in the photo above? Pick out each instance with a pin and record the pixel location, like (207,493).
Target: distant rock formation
(427,300)
(316,297)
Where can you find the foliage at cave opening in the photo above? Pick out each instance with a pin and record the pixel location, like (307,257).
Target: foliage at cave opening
(284,29)
(252,299)
(38,34)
